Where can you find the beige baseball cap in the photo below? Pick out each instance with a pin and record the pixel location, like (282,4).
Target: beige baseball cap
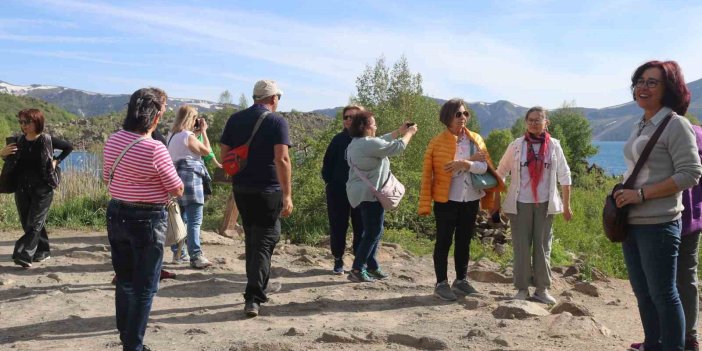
(265,88)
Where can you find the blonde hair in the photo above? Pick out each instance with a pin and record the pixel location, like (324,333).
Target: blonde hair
(185,119)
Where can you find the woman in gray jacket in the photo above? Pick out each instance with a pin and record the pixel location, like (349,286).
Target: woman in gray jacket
(655,202)
(369,155)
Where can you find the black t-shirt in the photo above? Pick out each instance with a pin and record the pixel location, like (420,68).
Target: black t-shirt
(259,173)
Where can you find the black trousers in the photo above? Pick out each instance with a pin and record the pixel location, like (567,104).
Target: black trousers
(454,218)
(260,214)
(339,210)
(33,199)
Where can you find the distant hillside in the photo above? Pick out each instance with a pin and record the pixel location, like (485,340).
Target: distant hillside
(89,104)
(10,105)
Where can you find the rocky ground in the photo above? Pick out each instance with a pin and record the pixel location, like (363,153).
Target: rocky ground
(66,303)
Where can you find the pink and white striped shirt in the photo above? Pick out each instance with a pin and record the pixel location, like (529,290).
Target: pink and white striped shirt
(145,173)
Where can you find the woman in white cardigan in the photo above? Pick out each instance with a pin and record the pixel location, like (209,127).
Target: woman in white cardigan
(535,163)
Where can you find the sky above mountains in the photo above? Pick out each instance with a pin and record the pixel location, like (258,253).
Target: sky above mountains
(529,51)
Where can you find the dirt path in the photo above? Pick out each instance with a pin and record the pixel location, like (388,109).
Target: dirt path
(67,303)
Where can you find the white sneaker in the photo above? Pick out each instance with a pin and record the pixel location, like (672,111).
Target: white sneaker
(200,262)
(522,294)
(544,296)
(180,260)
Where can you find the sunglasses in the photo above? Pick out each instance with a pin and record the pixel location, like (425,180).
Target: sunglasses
(24,122)
(278,95)
(347,117)
(464,113)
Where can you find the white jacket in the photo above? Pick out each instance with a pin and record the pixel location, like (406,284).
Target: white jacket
(509,165)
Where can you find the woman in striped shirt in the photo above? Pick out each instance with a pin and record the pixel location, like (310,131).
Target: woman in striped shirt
(140,178)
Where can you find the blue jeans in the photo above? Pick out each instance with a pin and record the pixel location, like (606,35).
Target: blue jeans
(372,216)
(136,234)
(650,253)
(192,217)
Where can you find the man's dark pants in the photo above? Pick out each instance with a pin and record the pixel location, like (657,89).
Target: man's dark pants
(339,210)
(260,215)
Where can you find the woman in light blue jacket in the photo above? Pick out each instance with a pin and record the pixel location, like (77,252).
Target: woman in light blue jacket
(535,162)
(368,155)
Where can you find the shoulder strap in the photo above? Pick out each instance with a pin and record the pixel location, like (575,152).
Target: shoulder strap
(647,151)
(257,125)
(360,174)
(169,139)
(119,158)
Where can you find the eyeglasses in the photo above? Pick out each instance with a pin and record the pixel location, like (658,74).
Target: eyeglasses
(347,117)
(278,95)
(649,83)
(464,113)
(24,122)
(535,122)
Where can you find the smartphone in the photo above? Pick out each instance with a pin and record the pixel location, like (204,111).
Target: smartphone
(409,124)
(10,140)
(197,123)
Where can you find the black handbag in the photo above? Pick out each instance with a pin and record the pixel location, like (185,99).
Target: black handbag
(8,180)
(615,219)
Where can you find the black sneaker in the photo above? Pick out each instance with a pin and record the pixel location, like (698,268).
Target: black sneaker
(41,257)
(378,274)
(23,263)
(361,276)
(145,348)
(251,308)
(338,266)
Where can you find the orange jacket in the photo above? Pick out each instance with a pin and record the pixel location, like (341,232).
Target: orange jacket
(436,182)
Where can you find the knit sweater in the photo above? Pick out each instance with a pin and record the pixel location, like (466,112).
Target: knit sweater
(436,182)
(674,156)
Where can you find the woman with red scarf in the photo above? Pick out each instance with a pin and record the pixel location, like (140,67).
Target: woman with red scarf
(535,163)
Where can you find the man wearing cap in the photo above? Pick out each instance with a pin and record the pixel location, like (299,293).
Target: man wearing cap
(262,189)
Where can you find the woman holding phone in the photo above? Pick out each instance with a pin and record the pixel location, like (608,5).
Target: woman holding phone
(36,178)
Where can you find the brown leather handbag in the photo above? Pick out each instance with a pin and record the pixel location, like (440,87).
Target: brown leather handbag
(614,219)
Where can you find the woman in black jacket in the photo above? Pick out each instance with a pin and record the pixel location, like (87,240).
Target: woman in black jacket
(36,178)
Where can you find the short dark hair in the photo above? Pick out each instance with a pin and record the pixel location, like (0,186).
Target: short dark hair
(676,94)
(449,109)
(359,124)
(143,106)
(34,115)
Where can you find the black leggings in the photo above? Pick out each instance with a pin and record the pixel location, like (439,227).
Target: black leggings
(459,218)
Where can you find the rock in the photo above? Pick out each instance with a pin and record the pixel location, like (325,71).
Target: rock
(472,303)
(570,271)
(487,240)
(596,274)
(500,249)
(392,245)
(475,333)
(559,270)
(615,302)
(305,260)
(488,277)
(502,324)
(485,264)
(518,309)
(502,341)
(195,331)
(565,325)
(422,343)
(587,289)
(406,277)
(567,293)
(341,337)
(4,281)
(54,276)
(294,332)
(263,346)
(573,308)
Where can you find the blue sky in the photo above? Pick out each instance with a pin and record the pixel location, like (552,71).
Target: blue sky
(530,52)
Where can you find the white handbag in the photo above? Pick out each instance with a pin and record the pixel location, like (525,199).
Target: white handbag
(175,232)
(389,195)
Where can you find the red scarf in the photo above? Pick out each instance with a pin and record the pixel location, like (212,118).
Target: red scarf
(535,162)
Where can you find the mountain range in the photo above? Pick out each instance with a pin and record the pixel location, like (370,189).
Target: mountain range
(609,123)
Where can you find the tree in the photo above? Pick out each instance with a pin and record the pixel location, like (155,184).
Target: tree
(373,84)
(243,102)
(576,136)
(225,98)
(497,142)
(473,123)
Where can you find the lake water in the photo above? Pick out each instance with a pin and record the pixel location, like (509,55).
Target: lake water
(610,156)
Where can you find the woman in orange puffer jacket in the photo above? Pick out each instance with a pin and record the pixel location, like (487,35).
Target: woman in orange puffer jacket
(449,161)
